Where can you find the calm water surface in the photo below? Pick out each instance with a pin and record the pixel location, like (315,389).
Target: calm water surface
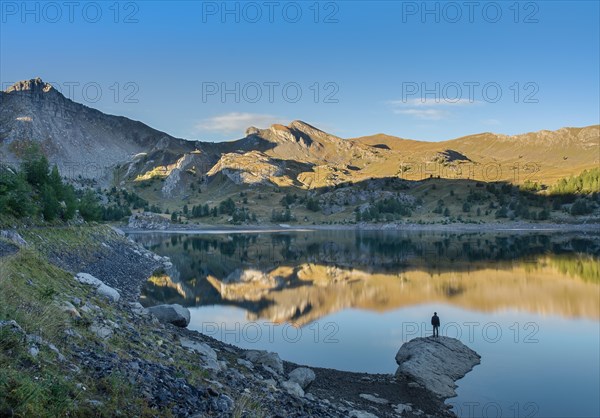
(528,303)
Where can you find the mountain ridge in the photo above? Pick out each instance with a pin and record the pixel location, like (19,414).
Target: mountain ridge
(299,154)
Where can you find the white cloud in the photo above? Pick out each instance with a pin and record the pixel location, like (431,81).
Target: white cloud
(430,114)
(429,108)
(236,121)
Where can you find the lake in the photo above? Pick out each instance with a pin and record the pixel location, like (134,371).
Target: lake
(527,302)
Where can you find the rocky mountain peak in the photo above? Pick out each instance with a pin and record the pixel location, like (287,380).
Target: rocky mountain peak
(278,127)
(35,85)
(297,132)
(304,127)
(252,130)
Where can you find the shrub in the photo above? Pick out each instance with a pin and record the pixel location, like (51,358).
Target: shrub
(581,207)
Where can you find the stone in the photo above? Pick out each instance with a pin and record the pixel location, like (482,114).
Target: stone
(271,383)
(34,351)
(138,309)
(245,363)
(88,279)
(436,363)
(270,370)
(35,339)
(225,404)
(101,331)
(293,388)
(374,399)
(12,325)
(172,314)
(95,403)
(212,364)
(71,333)
(265,358)
(14,237)
(59,355)
(102,289)
(108,292)
(303,376)
(400,408)
(201,348)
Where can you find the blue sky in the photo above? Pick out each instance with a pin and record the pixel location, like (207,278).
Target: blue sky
(432,71)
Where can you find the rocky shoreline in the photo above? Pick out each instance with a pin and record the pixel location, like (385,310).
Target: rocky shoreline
(186,373)
(141,223)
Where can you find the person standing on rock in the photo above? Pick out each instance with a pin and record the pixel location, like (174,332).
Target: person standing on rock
(435,321)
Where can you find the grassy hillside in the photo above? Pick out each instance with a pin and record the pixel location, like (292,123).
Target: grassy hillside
(543,156)
(53,360)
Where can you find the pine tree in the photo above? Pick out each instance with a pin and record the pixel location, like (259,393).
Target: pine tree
(49,202)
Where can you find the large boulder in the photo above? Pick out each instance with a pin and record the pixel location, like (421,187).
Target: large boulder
(266,359)
(293,388)
(108,292)
(88,279)
(102,289)
(303,376)
(172,314)
(436,363)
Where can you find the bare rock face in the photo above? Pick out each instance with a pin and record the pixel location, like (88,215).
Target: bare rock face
(33,85)
(82,141)
(436,363)
(148,220)
(252,130)
(247,168)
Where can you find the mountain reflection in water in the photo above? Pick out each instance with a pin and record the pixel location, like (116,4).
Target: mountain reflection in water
(303,276)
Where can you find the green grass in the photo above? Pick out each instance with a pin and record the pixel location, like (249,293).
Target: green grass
(32,386)
(33,292)
(30,285)
(245,404)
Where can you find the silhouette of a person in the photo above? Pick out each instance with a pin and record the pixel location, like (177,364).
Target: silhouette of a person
(435,321)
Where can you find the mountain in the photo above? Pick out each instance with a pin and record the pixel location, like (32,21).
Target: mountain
(543,156)
(77,138)
(117,150)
